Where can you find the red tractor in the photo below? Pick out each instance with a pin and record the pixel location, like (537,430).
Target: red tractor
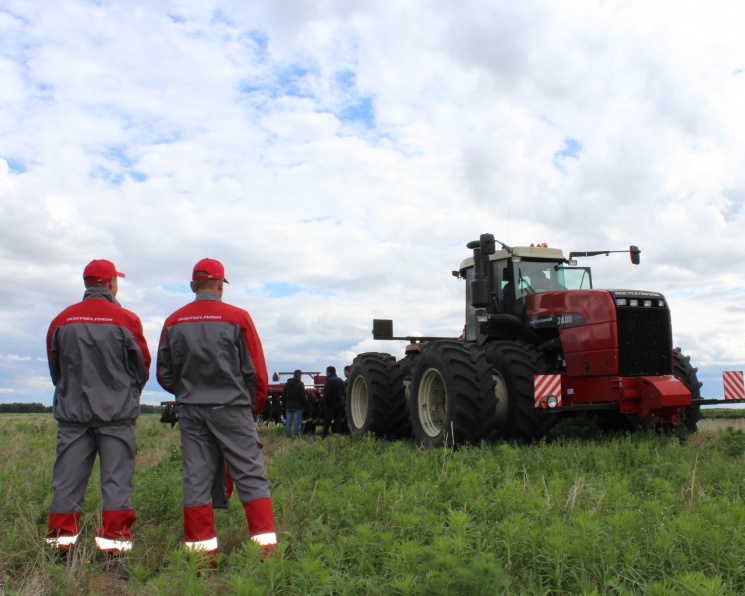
(539,342)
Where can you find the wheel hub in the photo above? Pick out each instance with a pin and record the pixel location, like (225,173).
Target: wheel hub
(432,403)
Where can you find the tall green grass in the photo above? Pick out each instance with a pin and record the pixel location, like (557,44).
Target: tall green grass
(634,514)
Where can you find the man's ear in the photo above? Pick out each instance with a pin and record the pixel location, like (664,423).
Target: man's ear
(191,285)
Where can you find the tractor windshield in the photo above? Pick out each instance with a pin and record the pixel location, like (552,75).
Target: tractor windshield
(530,277)
(518,279)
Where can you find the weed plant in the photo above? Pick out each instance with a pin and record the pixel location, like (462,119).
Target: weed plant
(626,514)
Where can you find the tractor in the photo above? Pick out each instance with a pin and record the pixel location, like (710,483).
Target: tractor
(539,343)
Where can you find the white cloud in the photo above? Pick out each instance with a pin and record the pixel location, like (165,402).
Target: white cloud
(351,150)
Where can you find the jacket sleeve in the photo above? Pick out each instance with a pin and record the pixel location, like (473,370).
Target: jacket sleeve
(140,354)
(256,353)
(164,364)
(53,353)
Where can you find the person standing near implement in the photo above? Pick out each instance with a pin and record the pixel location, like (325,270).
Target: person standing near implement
(334,394)
(210,357)
(99,362)
(295,402)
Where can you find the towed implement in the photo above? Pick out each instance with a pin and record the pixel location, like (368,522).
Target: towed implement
(539,342)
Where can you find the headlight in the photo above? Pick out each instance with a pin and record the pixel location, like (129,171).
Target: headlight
(552,401)
(633,303)
(620,301)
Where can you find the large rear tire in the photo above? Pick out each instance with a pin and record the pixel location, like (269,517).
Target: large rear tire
(452,395)
(687,373)
(514,365)
(375,397)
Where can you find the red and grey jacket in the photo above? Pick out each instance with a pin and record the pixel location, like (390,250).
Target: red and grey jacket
(210,354)
(99,362)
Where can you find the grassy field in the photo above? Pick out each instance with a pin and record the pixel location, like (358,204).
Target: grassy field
(632,514)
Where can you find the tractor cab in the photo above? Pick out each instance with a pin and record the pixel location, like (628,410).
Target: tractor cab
(500,283)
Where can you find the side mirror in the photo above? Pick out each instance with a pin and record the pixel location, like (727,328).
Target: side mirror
(635,252)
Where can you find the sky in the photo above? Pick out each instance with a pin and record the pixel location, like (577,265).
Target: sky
(338,155)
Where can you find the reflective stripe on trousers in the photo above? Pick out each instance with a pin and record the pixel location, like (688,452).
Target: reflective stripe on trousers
(106,544)
(208,545)
(264,539)
(62,541)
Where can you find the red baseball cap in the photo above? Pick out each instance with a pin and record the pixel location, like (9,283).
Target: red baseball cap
(102,270)
(211,269)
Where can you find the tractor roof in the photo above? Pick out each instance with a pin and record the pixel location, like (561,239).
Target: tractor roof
(527,252)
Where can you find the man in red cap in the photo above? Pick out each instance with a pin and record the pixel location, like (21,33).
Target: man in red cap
(99,362)
(210,357)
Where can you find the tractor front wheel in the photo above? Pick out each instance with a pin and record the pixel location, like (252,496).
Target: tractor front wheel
(514,365)
(452,395)
(683,370)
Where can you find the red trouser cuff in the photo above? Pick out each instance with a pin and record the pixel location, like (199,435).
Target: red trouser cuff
(260,517)
(199,527)
(63,524)
(117,525)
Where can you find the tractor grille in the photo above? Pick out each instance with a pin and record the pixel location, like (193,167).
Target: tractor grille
(644,342)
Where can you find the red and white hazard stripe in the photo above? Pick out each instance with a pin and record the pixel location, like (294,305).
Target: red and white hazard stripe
(734,388)
(546,385)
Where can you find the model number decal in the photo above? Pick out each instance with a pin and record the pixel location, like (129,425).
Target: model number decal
(562,320)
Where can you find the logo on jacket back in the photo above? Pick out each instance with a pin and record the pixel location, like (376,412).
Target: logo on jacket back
(200,318)
(90,319)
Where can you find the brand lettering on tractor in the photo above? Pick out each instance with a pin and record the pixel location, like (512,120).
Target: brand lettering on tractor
(560,320)
(638,294)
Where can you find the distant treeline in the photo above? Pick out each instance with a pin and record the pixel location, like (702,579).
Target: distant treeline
(36,408)
(723,412)
(33,408)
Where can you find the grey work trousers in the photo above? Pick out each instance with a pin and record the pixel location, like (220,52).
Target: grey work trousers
(209,433)
(76,452)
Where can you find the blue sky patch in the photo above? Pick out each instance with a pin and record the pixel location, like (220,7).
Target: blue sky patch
(101,173)
(347,79)
(294,81)
(180,288)
(15,165)
(258,39)
(572,149)
(246,87)
(281,289)
(117,154)
(362,112)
